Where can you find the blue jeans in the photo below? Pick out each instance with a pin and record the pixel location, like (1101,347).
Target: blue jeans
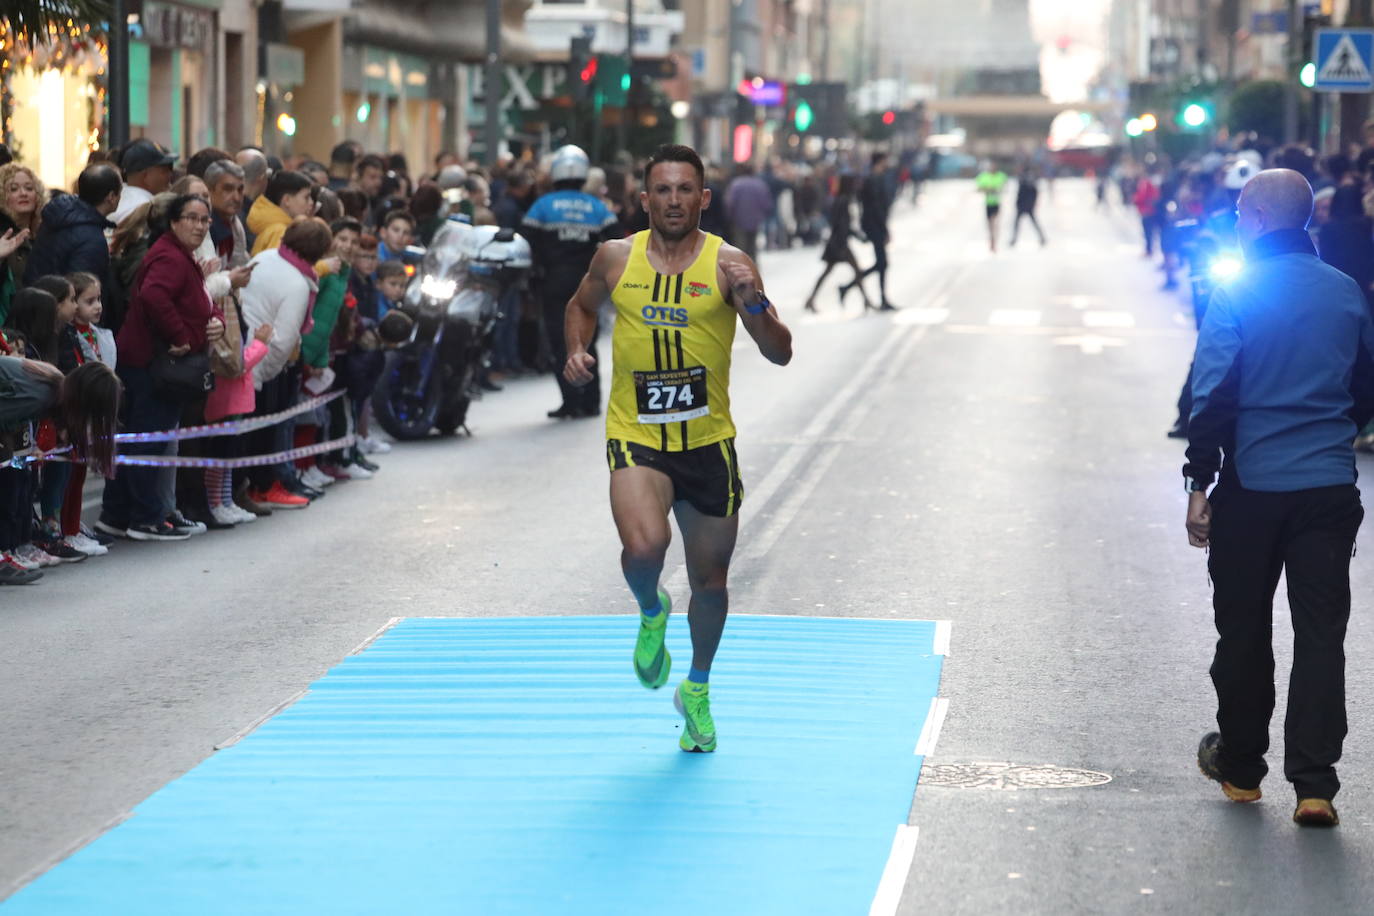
(133,496)
(506,341)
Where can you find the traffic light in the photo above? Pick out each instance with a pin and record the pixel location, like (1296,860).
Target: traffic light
(889,118)
(1194,115)
(582,67)
(612,79)
(803,117)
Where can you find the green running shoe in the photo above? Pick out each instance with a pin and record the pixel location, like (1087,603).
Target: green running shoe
(651,659)
(693,702)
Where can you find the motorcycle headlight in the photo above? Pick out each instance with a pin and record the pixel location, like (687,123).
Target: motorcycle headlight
(1224,268)
(436,287)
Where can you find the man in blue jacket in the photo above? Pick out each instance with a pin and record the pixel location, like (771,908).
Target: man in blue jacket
(71,237)
(1281,384)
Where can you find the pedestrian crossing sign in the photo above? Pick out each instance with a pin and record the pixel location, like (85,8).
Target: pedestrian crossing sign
(1344,59)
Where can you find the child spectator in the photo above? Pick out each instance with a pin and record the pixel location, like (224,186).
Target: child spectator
(362,282)
(232,398)
(54,476)
(316,348)
(97,343)
(288,197)
(94,344)
(391,286)
(30,332)
(397,228)
(84,405)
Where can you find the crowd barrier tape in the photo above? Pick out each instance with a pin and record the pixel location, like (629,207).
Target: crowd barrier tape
(230,427)
(205,431)
(249,461)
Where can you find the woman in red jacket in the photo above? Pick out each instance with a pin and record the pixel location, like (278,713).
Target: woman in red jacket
(169,310)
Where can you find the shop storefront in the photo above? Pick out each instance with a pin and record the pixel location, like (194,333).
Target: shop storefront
(391,104)
(52,100)
(172,74)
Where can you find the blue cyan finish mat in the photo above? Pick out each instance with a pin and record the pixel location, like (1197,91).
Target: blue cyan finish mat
(515,765)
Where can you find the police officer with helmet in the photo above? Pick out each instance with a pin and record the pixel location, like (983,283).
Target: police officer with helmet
(564,229)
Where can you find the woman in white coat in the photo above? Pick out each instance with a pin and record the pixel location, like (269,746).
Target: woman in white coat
(281,292)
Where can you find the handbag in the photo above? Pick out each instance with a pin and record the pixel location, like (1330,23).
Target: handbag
(181,378)
(226,354)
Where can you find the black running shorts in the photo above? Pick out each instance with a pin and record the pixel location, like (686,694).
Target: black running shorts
(707,477)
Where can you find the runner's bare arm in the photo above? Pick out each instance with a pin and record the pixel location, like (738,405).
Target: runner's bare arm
(579,320)
(739,278)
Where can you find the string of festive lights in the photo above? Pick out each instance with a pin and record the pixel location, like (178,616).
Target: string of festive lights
(71,48)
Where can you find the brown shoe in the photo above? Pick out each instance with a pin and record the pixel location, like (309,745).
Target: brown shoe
(1315,812)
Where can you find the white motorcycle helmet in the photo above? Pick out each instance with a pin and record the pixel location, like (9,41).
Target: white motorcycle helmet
(569,163)
(1238,175)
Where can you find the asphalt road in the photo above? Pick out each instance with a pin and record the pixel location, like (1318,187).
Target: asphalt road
(993,455)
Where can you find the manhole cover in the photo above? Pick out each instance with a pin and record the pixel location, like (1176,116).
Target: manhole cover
(1008,776)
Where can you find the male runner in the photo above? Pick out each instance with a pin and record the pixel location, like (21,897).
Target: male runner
(671,443)
(989,183)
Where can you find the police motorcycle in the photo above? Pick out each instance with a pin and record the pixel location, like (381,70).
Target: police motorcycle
(452,299)
(1211,244)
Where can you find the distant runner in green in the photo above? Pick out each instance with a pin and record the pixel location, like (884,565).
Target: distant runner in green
(989,183)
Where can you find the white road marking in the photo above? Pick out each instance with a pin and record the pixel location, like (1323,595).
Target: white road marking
(1091,344)
(930,731)
(778,474)
(921,316)
(800,494)
(1108,320)
(898,866)
(1078,301)
(1014,318)
(942,634)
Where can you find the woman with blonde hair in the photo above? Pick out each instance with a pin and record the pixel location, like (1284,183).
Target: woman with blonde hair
(21,206)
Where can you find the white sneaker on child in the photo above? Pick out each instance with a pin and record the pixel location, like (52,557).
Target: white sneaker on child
(314,477)
(224,515)
(357,472)
(32,554)
(89,547)
(22,561)
(240,513)
(371,445)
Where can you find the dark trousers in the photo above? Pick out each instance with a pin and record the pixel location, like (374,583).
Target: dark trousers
(1016,226)
(1309,535)
(746,241)
(133,496)
(1150,226)
(277,394)
(16,507)
(587,398)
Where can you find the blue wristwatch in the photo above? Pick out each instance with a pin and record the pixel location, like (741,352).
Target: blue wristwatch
(762,306)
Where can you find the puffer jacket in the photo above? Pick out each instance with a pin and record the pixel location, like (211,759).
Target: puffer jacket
(71,238)
(268,222)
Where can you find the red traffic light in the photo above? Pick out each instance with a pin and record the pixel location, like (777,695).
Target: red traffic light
(589,72)
(889,118)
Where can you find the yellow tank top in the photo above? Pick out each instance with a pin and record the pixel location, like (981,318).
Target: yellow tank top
(670,382)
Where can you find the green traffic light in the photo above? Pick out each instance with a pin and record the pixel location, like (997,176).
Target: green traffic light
(625,82)
(1308,75)
(803,117)
(1194,115)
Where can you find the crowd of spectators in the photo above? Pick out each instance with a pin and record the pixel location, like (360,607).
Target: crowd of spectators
(159,294)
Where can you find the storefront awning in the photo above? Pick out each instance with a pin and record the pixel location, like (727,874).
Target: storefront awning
(446,29)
